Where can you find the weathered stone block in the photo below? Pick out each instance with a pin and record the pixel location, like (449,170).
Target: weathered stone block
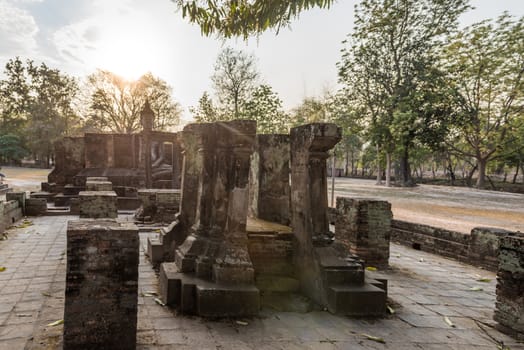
(20,197)
(35,206)
(99,185)
(509,312)
(101,285)
(484,245)
(98,204)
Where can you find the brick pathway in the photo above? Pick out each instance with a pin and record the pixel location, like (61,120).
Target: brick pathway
(423,288)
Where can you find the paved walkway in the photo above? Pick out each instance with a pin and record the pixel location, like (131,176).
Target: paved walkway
(423,289)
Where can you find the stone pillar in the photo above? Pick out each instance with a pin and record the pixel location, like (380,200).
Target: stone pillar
(213,274)
(363,226)
(217,246)
(509,312)
(231,196)
(176,161)
(101,285)
(269,179)
(147,118)
(309,146)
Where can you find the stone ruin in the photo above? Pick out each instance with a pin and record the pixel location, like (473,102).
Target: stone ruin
(214,251)
(242,220)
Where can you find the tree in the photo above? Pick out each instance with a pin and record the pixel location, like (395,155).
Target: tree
(391,51)
(36,105)
(486,65)
(311,110)
(234,79)
(206,111)
(50,110)
(265,107)
(116,103)
(14,97)
(244,17)
(11,149)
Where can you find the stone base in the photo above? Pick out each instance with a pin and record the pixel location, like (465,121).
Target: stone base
(98,204)
(62,200)
(356,300)
(197,296)
(35,206)
(155,251)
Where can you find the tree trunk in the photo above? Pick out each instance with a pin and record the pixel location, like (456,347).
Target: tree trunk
(481,179)
(379,172)
(405,171)
(516,174)
(388,169)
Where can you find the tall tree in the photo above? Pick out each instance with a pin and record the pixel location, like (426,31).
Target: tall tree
(14,97)
(206,110)
(116,103)
(234,78)
(37,105)
(391,50)
(486,65)
(265,107)
(51,112)
(244,17)
(311,110)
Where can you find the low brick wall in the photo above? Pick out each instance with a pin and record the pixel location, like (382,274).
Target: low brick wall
(10,212)
(478,248)
(271,253)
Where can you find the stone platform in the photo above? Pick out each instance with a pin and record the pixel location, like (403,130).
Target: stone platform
(423,289)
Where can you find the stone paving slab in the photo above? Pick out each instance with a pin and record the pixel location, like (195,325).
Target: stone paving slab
(423,289)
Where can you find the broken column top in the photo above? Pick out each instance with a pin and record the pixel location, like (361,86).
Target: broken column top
(317,137)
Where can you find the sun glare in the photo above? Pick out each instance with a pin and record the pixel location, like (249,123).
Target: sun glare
(128,51)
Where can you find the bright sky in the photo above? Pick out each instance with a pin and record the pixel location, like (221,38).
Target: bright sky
(131,37)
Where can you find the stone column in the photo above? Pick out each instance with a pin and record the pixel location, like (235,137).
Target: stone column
(509,312)
(217,246)
(176,161)
(309,146)
(201,167)
(363,226)
(147,118)
(269,179)
(231,195)
(101,285)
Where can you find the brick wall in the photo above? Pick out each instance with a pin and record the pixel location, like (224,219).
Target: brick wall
(478,248)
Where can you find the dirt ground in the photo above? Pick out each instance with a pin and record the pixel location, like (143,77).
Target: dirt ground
(453,208)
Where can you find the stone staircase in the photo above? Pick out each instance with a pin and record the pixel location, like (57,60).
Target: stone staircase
(347,290)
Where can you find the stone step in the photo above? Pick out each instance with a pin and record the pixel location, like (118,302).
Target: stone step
(274,283)
(57,211)
(353,300)
(155,250)
(341,276)
(192,295)
(287,302)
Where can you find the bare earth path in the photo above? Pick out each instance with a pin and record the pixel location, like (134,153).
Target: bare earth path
(454,208)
